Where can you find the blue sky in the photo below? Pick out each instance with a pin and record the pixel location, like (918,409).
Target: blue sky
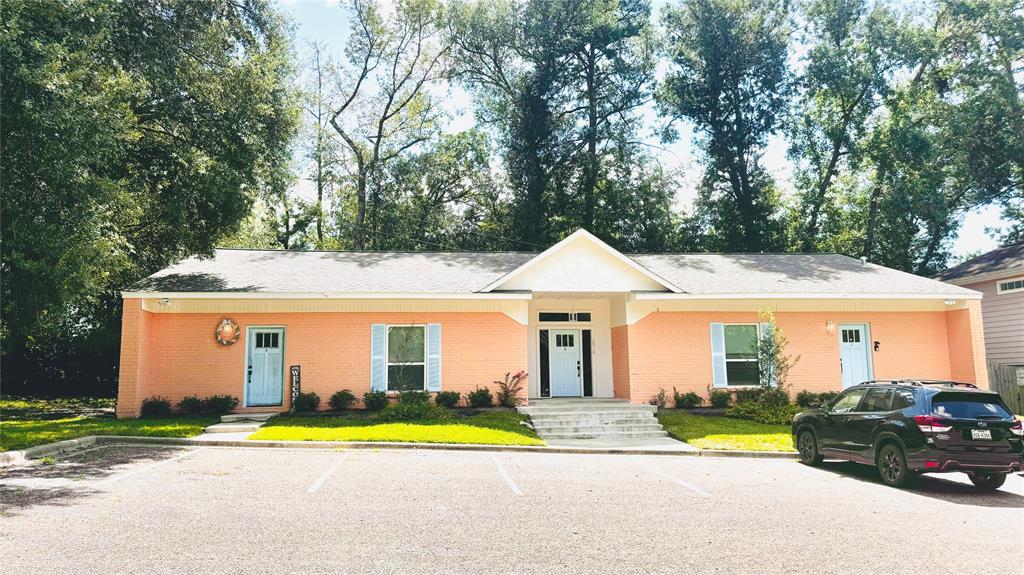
(326,22)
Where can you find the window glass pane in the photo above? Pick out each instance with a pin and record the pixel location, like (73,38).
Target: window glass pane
(405,344)
(554,316)
(259,340)
(902,399)
(848,401)
(877,400)
(969,406)
(740,342)
(583,316)
(741,372)
(405,377)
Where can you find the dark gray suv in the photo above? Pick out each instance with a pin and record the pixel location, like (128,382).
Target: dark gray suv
(905,427)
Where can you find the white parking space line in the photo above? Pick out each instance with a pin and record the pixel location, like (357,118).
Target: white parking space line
(676,480)
(327,474)
(139,470)
(504,475)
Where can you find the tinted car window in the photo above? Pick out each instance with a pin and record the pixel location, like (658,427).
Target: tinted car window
(877,400)
(847,401)
(969,406)
(902,398)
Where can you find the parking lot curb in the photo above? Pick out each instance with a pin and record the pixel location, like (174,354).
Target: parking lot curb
(17,457)
(21,456)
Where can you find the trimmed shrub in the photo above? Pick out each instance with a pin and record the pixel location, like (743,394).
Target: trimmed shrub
(720,398)
(375,400)
(761,413)
(413,411)
(156,406)
(774,396)
(191,404)
(414,397)
(687,400)
(220,404)
(480,397)
(748,394)
(806,398)
(306,402)
(447,399)
(341,400)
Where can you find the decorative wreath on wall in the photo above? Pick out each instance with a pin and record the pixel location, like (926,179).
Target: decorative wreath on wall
(227,332)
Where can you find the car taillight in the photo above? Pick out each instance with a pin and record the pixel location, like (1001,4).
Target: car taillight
(1017,428)
(931,424)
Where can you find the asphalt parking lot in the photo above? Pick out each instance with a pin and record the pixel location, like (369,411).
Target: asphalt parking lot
(134,509)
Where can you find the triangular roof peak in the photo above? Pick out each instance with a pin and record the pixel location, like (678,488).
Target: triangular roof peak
(582,263)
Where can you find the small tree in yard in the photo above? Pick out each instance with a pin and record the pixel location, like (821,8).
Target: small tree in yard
(771,354)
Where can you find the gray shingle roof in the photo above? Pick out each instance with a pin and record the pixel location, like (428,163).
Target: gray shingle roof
(1008,258)
(270,271)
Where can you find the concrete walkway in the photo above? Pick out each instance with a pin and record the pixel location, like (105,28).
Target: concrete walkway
(626,444)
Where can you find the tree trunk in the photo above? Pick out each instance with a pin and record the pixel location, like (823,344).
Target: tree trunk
(876,198)
(811,232)
(590,177)
(360,237)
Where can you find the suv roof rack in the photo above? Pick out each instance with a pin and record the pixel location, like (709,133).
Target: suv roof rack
(920,382)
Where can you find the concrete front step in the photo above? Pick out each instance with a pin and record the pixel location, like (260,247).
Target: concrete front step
(234,427)
(606,435)
(598,429)
(232,417)
(578,421)
(579,408)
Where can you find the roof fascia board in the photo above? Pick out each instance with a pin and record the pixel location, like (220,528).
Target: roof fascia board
(649,296)
(583,234)
(329,295)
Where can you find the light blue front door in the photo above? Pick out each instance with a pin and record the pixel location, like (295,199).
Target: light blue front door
(853,354)
(265,372)
(564,359)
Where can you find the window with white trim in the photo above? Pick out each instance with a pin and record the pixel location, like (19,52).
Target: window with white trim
(406,357)
(741,367)
(1010,286)
(564,316)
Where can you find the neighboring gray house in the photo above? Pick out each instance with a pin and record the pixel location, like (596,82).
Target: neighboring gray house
(999,275)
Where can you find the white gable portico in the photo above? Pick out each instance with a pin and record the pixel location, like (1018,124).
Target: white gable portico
(578,286)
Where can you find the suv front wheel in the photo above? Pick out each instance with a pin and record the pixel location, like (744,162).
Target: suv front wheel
(807,445)
(987,481)
(892,465)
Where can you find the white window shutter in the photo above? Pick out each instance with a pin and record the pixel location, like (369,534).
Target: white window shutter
(433,357)
(718,377)
(378,360)
(765,328)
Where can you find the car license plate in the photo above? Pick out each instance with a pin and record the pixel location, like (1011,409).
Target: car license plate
(981,434)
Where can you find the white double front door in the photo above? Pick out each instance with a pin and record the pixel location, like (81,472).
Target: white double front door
(565,362)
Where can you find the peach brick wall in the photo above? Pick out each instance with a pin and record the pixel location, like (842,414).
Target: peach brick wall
(174,355)
(620,361)
(967,344)
(667,349)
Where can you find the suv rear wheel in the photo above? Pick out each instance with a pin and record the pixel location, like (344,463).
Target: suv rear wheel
(987,481)
(807,445)
(892,465)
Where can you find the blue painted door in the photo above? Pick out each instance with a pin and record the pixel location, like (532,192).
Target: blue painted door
(265,372)
(853,354)
(565,362)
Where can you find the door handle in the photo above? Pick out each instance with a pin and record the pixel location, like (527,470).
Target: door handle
(577,368)
(249,374)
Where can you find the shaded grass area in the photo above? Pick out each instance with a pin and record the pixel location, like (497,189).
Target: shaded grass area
(713,432)
(490,428)
(22,433)
(35,408)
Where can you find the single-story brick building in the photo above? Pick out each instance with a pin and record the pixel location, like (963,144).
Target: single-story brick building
(581,318)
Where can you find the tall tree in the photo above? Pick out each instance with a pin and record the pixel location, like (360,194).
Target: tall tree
(728,75)
(322,150)
(853,51)
(386,107)
(134,133)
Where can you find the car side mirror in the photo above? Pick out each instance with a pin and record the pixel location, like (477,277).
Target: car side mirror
(816,405)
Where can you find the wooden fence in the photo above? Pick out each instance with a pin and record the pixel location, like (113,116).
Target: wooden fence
(1003,379)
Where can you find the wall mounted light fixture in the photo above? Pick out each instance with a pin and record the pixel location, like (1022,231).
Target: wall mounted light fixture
(830,327)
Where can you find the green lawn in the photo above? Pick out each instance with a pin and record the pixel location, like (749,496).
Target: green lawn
(711,432)
(33,408)
(490,428)
(22,433)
